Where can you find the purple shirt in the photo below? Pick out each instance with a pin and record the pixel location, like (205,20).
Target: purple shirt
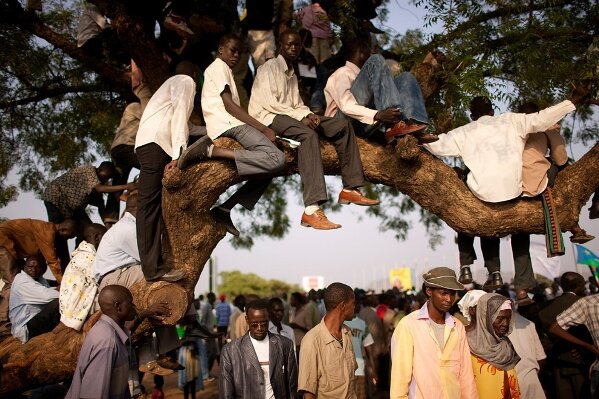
(103,365)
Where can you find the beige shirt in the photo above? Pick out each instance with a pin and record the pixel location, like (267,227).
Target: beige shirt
(327,367)
(534,163)
(338,95)
(302,317)
(217,76)
(164,121)
(276,92)
(127,130)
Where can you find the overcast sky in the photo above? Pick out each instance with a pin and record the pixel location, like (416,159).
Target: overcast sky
(357,254)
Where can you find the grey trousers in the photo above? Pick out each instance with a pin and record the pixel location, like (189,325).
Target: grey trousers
(341,134)
(258,159)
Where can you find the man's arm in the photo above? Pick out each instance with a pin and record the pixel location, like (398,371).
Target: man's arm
(292,370)
(33,293)
(543,120)
(105,188)
(309,374)
(182,96)
(467,384)
(226,383)
(557,146)
(97,385)
(239,113)
(447,145)
(265,89)
(565,335)
(338,90)
(401,362)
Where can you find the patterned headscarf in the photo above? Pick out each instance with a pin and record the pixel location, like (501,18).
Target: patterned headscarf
(482,339)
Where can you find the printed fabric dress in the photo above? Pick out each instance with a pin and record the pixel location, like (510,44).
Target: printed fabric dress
(494,383)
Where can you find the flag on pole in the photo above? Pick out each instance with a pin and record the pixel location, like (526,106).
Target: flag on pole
(585,256)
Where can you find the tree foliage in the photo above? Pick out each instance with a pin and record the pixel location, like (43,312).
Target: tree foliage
(238,283)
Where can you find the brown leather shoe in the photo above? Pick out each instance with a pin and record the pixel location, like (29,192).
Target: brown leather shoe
(402,128)
(318,221)
(580,236)
(426,138)
(356,197)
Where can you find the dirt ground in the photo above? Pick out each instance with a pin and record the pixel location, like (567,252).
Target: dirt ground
(172,391)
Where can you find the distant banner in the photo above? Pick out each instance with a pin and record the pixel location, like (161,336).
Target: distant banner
(401,278)
(312,283)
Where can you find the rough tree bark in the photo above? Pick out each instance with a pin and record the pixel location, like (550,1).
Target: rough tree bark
(191,235)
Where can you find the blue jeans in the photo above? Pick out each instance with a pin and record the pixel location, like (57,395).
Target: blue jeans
(375,87)
(203,358)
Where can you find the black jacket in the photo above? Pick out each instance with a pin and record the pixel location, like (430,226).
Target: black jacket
(242,377)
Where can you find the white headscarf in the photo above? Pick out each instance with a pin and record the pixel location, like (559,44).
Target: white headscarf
(469,300)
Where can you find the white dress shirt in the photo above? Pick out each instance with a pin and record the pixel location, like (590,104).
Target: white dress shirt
(27,298)
(218,120)
(164,121)
(338,95)
(276,92)
(118,247)
(286,331)
(491,147)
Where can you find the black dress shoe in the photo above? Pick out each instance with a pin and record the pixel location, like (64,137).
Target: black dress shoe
(594,210)
(223,218)
(172,276)
(494,282)
(465,275)
(196,152)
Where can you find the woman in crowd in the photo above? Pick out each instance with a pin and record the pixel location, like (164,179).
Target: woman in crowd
(493,356)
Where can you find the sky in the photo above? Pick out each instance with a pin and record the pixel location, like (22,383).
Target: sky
(358,254)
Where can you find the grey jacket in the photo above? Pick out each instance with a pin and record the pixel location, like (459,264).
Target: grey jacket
(242,377)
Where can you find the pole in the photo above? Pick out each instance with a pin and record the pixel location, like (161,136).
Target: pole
(210,274)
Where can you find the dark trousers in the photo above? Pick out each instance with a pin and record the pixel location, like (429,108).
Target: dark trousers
(524,275)
(152,160)
(124,159)
(44,321)
(311,171)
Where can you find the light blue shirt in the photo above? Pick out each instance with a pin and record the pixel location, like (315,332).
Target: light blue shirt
(27,298)
(118,247)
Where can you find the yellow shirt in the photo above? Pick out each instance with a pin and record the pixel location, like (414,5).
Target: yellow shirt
(420,370)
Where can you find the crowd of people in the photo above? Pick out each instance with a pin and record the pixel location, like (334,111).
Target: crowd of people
(338,343)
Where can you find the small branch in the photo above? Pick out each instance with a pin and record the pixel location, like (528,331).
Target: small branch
(44,93)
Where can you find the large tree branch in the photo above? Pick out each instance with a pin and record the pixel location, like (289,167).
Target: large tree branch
(43,93)
(12,13)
